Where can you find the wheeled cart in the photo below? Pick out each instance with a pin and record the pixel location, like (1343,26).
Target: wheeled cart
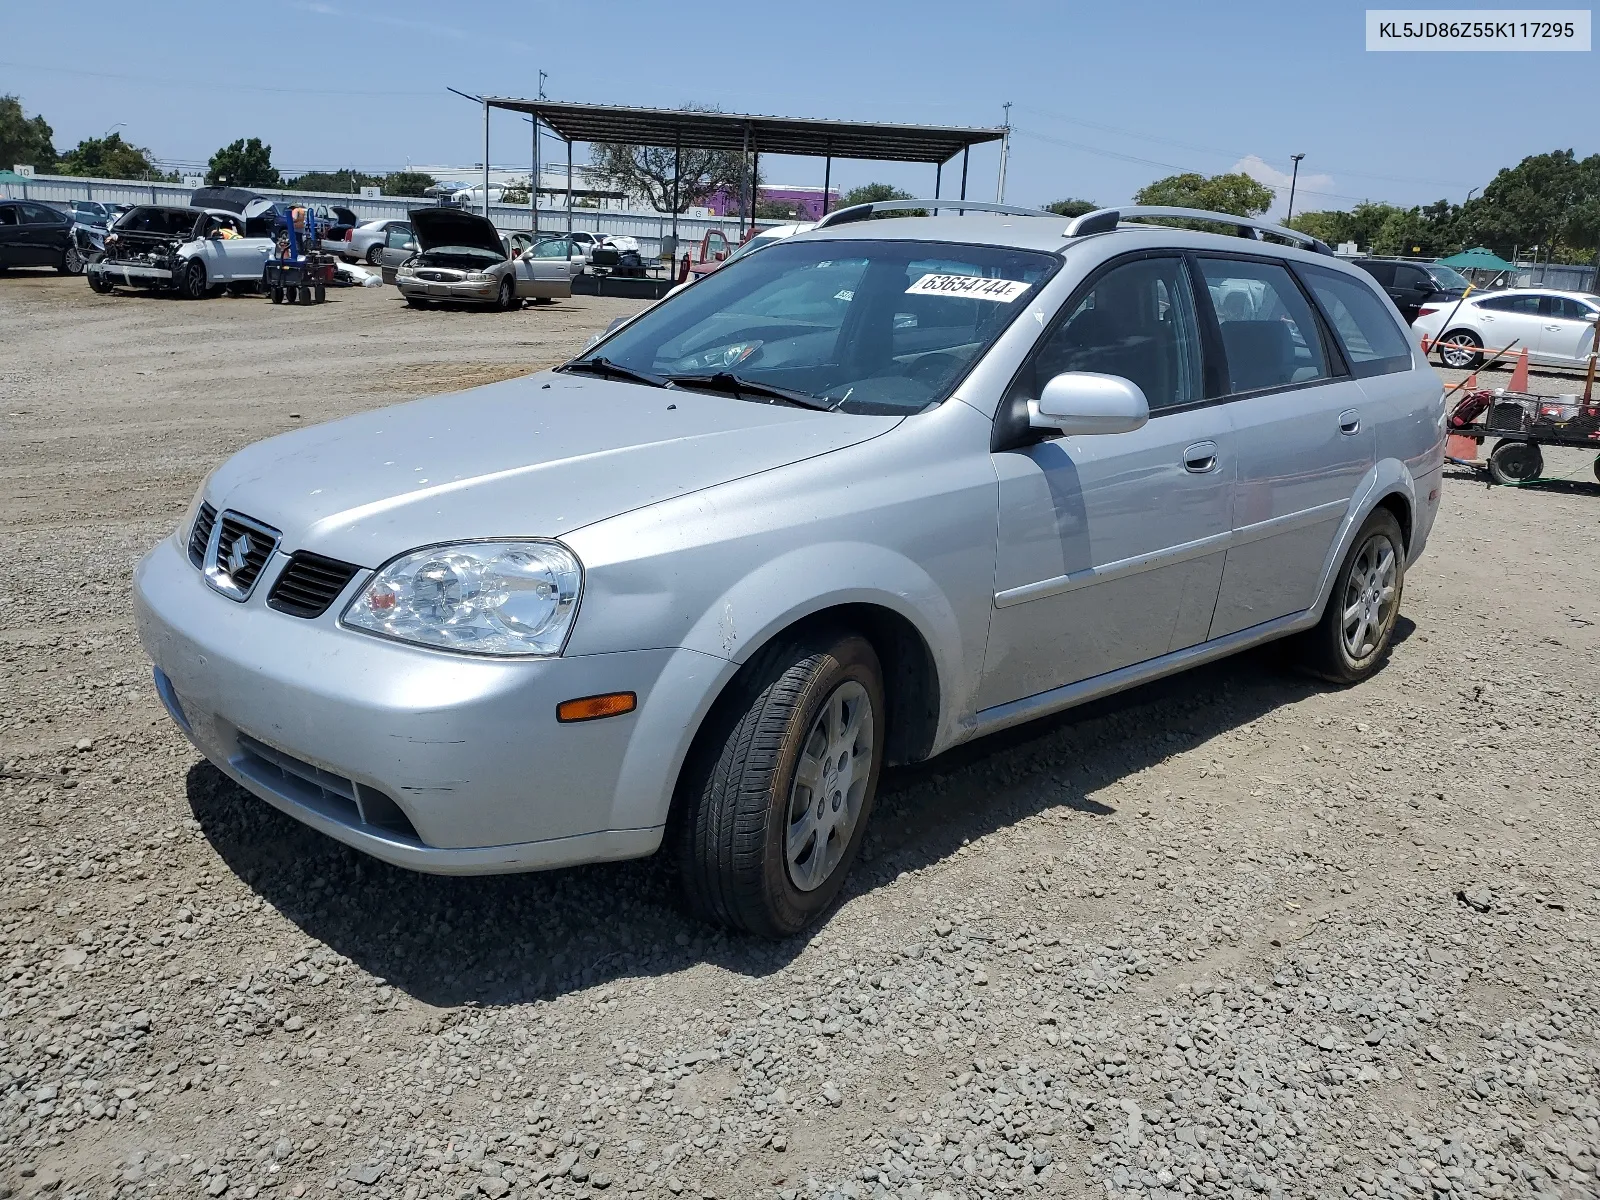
(1520,423)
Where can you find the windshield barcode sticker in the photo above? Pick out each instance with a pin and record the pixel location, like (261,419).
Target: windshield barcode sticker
(975,287)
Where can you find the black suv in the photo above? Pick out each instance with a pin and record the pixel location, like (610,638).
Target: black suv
(1412,284)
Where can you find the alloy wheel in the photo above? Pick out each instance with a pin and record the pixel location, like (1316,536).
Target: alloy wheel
(1370,597)
(830,785)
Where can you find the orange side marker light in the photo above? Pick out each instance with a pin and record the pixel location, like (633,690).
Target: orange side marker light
(592,708)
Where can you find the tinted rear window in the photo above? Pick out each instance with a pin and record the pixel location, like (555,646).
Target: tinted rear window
(1364,324)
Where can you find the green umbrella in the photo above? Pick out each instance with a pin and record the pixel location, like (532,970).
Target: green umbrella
(1478,258)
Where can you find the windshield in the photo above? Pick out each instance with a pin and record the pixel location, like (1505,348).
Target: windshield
(1448,277)
(884,327)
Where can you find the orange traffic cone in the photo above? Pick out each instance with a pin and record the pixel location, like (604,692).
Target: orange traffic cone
(1427,344)
(1472,383)
(1519,377)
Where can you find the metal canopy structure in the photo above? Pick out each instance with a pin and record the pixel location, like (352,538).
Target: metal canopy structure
(746,133)
(804,136)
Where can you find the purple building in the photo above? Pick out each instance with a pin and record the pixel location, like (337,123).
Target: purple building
(807,201)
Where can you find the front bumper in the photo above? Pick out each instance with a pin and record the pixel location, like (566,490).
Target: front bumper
(462,291)
(429,760)
(132,274)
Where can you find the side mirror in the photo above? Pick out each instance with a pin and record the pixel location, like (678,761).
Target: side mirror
(1592,318)
(1084,402)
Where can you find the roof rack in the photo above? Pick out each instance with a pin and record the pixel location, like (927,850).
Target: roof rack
(1104,220)
(861,212)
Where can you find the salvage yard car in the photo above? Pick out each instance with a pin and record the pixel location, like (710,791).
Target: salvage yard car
(194,251)
(877,490)
(36,235)
(463,258)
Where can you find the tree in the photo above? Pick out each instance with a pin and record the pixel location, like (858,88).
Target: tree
(648,171)
(872,193)
(407,183)
(246,164)
(1234,193)
(24,140)
(110,158)
(344,181)
(1071,208)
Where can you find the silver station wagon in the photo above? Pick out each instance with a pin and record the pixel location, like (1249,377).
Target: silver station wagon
(886,486)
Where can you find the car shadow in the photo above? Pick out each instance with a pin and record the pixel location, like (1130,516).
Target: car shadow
(449,941)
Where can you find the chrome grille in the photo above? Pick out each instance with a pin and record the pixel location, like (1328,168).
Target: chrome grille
(309,584)
(238,550)
(439,276)
(200,535)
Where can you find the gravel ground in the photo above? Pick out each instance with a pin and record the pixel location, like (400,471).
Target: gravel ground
(1235,934)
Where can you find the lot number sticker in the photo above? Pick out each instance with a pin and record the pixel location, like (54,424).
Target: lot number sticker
(975,287)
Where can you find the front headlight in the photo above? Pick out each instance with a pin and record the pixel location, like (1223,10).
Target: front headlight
(474,597)
(479,277)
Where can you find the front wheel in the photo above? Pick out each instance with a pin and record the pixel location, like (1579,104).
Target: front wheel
(1515,462)
(1459,350)
(778,790)
(192,283)
(416,303)
(1351,641)
(100,283)
(508,301)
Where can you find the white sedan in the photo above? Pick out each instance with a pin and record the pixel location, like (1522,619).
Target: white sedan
(1556,328)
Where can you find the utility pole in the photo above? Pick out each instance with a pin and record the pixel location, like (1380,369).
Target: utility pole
(486,156)
(1293,179)
(1005,148)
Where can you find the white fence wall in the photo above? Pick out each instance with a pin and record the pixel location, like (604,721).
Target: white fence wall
(648,227)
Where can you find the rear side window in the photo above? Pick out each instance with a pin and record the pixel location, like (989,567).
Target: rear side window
(1269,332)
(8,215)
(1139,322)
(1527,305)
(1383,272)
(38,214)
(1362,322)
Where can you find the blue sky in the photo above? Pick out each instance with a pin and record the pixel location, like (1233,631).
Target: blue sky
(1105,97)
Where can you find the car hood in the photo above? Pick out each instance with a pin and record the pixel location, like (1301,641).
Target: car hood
(534,457)
(452,227)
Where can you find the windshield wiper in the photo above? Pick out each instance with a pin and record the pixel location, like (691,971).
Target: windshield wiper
(738,386)
(607,369)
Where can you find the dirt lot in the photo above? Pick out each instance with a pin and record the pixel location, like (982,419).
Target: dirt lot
(1235,934)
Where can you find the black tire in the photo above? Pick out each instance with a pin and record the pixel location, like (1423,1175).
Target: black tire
(277,295)
(319,294)
(303,294)
(414,302)
(1462,359)
(1515,462)
(375,254)
(738,791)
(1597,468)
(71,260)
(192,282)
(1336,651)
(100,283)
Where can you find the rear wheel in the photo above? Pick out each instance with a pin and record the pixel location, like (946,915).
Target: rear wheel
(779,788)
(192,282)
(375,254)
(1515,462)
(71,260)
(1459,350)
(1352,639)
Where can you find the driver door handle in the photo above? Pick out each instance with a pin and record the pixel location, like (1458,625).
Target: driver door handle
(1200,458)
